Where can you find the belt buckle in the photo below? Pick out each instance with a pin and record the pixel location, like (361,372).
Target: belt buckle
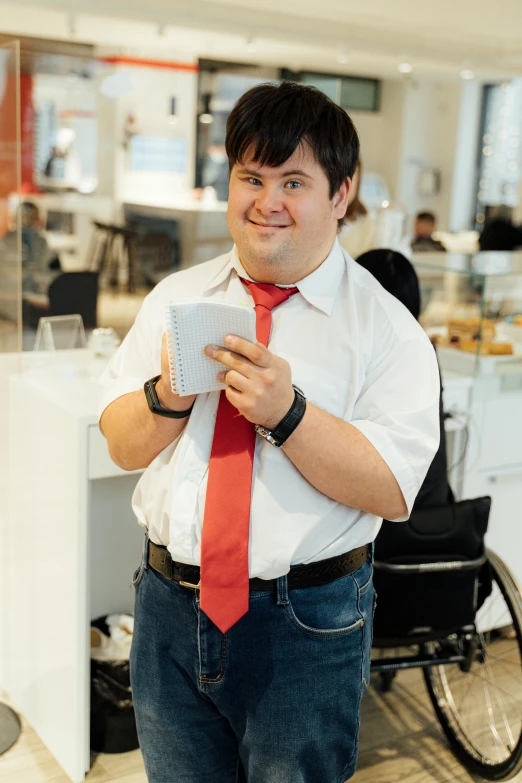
(189,584)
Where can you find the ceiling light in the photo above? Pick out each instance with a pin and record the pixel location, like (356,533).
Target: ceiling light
(206,116)
(467,73)
(405,67)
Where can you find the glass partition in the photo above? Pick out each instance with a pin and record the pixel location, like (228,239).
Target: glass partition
(10,186)
(472,308)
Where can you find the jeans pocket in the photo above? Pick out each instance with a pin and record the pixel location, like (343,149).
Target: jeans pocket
(327,611)
(367,602)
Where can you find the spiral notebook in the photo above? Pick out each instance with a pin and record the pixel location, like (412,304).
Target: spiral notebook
(192,324)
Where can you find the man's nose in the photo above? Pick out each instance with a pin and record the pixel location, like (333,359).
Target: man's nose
(269,199)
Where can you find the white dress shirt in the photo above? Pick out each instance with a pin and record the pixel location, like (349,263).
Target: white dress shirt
(354,350)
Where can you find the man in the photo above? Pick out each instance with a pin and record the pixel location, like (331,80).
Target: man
(425,225)
(261,680)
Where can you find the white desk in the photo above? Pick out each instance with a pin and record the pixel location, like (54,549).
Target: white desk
(71,544)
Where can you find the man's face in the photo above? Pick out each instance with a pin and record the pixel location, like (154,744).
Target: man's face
(424,228)
(283,220)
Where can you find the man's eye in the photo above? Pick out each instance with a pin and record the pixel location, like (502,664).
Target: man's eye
(253,181)
(293,184)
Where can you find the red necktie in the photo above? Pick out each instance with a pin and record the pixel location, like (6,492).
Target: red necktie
(226,521)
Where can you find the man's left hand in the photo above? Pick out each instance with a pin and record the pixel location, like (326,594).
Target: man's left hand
(259,383)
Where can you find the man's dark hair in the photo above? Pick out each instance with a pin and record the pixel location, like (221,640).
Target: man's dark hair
(275,119)
(427,216)
(395,273)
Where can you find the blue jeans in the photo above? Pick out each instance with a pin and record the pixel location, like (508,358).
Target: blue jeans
(275,700)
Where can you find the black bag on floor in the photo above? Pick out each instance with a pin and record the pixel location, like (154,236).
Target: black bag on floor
(113,724)
(425,600)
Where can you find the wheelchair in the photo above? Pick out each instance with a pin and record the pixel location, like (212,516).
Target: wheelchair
(452,607)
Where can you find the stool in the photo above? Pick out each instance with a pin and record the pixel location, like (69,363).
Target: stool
(112,250)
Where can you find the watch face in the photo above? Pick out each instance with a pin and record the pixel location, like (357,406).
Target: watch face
(154,404)
(267,435)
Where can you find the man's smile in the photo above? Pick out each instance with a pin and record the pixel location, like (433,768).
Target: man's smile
(261,225)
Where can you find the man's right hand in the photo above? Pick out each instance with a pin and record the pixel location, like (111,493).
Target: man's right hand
(166,396)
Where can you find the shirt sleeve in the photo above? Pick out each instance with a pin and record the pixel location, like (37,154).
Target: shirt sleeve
(398,411)
(137,359)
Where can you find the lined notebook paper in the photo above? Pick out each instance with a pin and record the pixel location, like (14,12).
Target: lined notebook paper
(192,324)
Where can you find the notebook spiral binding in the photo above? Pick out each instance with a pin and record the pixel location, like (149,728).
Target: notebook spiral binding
(171,329)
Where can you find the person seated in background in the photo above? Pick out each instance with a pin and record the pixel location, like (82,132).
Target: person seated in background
(363,231)
(397,275)
(500,235)
(39,266)
(358,232)
(425,225)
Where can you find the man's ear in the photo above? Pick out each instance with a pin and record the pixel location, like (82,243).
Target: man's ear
(343,198)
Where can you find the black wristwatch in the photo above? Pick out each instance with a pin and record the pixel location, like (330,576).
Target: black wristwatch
(152,398)
(287,425)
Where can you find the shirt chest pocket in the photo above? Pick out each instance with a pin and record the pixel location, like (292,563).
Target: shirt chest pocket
(329,391)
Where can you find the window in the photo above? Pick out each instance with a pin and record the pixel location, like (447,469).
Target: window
(352,93)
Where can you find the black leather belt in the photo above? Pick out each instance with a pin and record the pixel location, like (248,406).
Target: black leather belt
(319,573)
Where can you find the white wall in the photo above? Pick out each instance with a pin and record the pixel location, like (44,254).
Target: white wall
(380,133)
(148,101)
(429,138)
(417,126)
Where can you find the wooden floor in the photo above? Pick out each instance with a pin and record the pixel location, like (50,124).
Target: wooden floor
(400,742)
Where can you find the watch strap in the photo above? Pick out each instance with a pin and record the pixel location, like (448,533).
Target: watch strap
(149,387)
(279,434)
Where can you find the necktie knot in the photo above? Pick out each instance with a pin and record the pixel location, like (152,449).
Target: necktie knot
(268,295)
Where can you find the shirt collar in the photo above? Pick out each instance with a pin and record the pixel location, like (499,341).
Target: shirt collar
(318,288)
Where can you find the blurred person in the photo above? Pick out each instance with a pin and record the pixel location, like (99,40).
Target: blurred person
(363,231)
(397,276)
(254,597)
(358,232)
(423,241)
(39,265)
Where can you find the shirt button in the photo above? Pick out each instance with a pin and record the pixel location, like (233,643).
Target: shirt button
(182,539)
(193,475)
(213,416)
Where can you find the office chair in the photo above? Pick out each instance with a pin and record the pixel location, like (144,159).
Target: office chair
(75,292)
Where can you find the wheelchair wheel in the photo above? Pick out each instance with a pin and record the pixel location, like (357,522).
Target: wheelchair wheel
(479,705)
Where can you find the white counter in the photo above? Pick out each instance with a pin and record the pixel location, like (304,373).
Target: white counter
(70,544)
